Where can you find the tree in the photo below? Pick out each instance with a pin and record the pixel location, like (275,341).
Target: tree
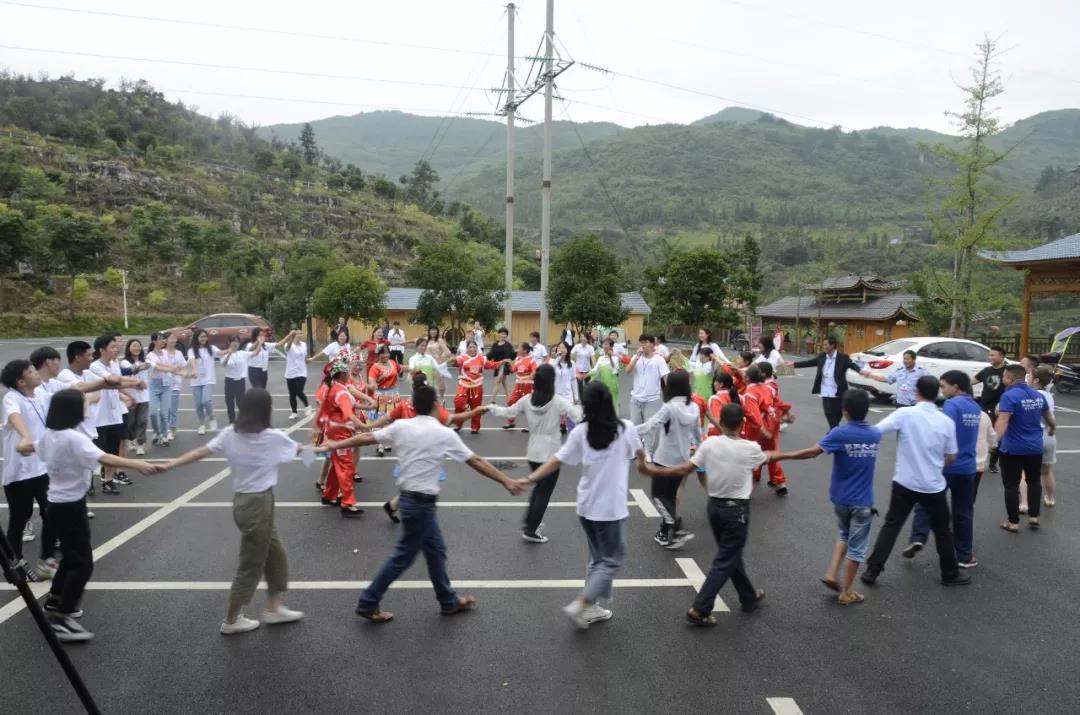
(78,243)
(307,142)
(584,284)
(419,186)
(353,291)
(693,288)
(748,280)
(264,160)
(972,209)
(460,279)
(14,238)
(248,270)
(304,270)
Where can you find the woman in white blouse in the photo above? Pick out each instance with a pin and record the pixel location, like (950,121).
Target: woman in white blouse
(201,368)
(259,358)
(296,368)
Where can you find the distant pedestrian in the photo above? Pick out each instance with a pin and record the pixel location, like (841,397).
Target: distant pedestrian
(904,377)
(396,340)
(649,369)
(342,328)
(259,358)
(1042,381)
(992,379)
(235,361)
(295,348)
(1019,425)
(501,351)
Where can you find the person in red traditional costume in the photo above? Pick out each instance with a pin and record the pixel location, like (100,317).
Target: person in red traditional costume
(338,420)
(470,385)
(383,384)
(781,413)
(523,367)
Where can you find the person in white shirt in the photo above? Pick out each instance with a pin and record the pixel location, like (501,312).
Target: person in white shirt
(705,340)
(254,451)
(201,368)
(111,409)
(582,355)
(259,358)
(396,338)
(661,347)
(69,457)
(769,353)
(728,462)
(539,351)
(421,444)
(24,475)
(440,352)
(295,348)
(648,369)
(338,349)
(131,365)
(1042,379)
(478,335)
(160,385)
(544,411)
(605,446)
(617,345)
(926,443)
(175,355)
(235,360)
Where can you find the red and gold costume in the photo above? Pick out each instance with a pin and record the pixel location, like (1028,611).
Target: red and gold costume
(779,409)
(335,413)
(760,396)
(470,385)
(385,377)
(523,368)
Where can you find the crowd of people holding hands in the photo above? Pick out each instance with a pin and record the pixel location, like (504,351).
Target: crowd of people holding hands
(700,413)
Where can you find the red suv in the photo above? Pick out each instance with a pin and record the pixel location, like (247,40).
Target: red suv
(223,326)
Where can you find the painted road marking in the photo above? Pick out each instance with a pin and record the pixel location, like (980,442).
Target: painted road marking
(575,583)
(305,504)
(696,577)
(644,503)
(784,706)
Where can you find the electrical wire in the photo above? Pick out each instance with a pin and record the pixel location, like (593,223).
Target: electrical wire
(300,101)
(623,224)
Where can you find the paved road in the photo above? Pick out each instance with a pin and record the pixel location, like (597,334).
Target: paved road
(166,547)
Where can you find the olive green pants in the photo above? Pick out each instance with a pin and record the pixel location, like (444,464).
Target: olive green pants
(261,551)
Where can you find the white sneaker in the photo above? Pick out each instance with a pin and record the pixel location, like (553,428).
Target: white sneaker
(131,445)
(47,569)
(576,613)
(89,515)
(678,541)
(201,430)
(240,625)
(172,435)
(308,411)
(28,532)
(534,536)
(281,615)
(140,450)
(293,416)
(596,613)
(213,425)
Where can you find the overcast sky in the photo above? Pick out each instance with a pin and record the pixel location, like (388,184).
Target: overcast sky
(856,63)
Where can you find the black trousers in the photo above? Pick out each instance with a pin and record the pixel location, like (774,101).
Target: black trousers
(296,391)
(901,502)
(77,563)
(1014,466)
(257,377)
(995,456)
(834,411)
(234,390)
(664,495)
(21,497)
(730,522)
(398,356)
(539,498)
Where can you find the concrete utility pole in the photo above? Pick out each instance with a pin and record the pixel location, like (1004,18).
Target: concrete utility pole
(508,251)
(545,206)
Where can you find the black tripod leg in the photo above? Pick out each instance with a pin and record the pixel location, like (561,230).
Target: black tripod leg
(16,575)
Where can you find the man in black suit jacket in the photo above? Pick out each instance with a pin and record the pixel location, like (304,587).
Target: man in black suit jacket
(832,392)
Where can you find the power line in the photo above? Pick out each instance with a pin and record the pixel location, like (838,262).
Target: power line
(301,101)
(624,225)
(242,68)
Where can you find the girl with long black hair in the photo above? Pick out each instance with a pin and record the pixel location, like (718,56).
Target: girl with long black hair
(259,358)
(544,411)
(134,362)
(605,446)
(680,420)
(201,368)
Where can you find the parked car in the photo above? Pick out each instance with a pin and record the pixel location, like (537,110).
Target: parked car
(935,355)
(222,326)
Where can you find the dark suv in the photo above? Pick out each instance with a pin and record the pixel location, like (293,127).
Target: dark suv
(223,326)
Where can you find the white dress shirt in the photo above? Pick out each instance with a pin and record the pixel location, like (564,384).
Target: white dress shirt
(828,376)
(925,436)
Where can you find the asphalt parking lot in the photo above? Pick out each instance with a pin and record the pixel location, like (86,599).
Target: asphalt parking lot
(165,552)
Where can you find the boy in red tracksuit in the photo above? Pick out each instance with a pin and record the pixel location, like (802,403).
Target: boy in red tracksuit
(736,376)
(470,385)
(758,407)
(779,411)
(338,420)
(523,367)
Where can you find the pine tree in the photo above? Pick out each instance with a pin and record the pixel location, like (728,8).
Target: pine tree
(307,141)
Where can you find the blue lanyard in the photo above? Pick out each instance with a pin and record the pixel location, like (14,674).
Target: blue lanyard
(33,404)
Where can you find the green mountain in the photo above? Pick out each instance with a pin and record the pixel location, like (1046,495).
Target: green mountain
(735,115)
(390,143)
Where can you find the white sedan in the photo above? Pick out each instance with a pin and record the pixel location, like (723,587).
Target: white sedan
(935,355)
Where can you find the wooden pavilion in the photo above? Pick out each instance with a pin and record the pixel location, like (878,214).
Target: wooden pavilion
(1050,269)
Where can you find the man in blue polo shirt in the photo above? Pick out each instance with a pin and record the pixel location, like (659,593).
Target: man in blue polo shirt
(964,411)
(904,377)
(1021,413)
(854,446)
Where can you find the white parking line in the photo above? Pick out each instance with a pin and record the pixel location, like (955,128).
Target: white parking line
(356,585)
(644,503)
(309,504)
(696,577)
(784,706)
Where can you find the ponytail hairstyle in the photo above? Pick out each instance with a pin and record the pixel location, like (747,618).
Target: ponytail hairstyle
(676,385)
(543,385)
(766,369)
(602,425)
(726,382)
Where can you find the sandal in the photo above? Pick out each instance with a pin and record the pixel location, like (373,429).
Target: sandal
(463,603)
(697,619)
(391,512)
(850,599)
(375,615)
(1033,524)
(1048,501)
(1009,526)
(830,584)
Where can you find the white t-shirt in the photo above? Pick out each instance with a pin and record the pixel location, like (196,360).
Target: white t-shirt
(421,444)
(396,337)
(582,357)
(295,359)
(33,412)
(605,473)
(663,350)
(539,352)
(696,352)
(729,465)
(261,358)
(154,359)
(334,351)
(565,379)
(70,458)
(254,458)
(176,359)
(236,368)
(204,365)
(647,374)
(774,358)
(142,395)
(110,410)
(69,379)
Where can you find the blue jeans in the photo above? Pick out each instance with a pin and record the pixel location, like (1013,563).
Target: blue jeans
(607,552)
(962,489)
(174,405)
(420,532)
(160,406)
(204,402)
(854,529)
